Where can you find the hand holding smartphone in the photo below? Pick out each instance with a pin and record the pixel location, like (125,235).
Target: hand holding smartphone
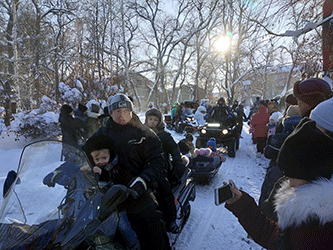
(223,193)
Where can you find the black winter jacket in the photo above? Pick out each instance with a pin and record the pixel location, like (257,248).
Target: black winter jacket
(69,128)
(139,147)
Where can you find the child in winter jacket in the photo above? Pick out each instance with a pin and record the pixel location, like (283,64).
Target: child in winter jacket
(273,121)
(211,144)
(174,169)
(101,153)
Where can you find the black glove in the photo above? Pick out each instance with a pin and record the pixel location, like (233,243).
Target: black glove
(138,185)
(49,180)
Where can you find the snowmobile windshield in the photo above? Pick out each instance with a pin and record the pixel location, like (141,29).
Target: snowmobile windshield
(43,183)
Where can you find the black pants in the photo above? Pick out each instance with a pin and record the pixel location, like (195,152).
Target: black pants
(150,229)
(166,200)
(261,144)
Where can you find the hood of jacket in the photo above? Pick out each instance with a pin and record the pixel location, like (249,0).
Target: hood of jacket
(297,205)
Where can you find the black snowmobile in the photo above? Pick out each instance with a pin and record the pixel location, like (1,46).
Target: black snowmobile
(45,206)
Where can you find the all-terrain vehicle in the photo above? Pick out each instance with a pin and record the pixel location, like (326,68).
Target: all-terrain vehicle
(224,130)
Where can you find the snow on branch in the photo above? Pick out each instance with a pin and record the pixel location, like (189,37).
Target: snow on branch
(296,33)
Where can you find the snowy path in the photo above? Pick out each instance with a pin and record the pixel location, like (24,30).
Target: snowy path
(209,227)
(214,227)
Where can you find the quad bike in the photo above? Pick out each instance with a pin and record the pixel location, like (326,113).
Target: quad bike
(224,131)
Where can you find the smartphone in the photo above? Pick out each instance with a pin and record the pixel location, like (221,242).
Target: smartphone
(223,194)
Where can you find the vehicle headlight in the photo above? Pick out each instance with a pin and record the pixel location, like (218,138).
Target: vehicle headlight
(213,125)
(225,131)
(188,119)
(203,131)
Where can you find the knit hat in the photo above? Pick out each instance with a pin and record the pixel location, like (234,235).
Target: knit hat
(293,110)
(66,109)
(202,151)
(82,108)
(307,153)
(119,101)
(212,142)
(322,114)
(275,117)
(312,91)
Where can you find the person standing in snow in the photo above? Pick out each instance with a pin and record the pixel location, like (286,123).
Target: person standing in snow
(80,114)
(259,123)
(309,93)
(304,202)
(143,159)
(69,128)
(93,123)
(199,115)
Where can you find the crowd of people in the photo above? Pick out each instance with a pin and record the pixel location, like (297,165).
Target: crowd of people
(295,206)
(295,202)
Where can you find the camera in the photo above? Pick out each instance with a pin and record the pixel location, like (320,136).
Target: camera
(223,193)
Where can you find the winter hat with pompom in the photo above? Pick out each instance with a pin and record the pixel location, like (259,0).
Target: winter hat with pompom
(212,142)
(323,114)
(202,151)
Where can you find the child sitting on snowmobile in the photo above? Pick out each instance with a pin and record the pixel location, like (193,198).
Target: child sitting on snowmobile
(175,170)
(101,153)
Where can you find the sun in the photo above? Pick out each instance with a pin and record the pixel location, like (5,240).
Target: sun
(222,44)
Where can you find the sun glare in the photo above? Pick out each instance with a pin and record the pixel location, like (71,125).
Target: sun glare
(223,44)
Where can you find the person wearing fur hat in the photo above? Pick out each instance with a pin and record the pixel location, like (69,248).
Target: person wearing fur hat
(304,202)
(310,92)
(174,170)
(142,152)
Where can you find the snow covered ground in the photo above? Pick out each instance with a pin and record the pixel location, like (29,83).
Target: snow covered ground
(209,226)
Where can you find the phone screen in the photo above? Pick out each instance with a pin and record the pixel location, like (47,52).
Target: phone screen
(222,194)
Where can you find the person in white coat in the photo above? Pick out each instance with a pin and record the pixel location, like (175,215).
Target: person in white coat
(199,115)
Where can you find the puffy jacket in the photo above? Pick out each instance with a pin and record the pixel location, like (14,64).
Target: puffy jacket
(140,148)
(259,121)
(304,217)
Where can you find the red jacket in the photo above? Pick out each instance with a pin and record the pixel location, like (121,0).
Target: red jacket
(259,121)
(304,217)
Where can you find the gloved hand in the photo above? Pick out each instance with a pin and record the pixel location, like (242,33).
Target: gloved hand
(49,180)
(138,185)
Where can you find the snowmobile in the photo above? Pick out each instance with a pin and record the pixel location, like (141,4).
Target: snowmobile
(204,168)
(187,124)
(45,206)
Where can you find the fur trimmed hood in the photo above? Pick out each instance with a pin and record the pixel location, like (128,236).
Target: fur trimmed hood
(297,205)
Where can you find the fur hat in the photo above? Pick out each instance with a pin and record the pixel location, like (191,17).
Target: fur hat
(307,153)
(291,99)
(99,142)
(322,114)
(212,142)
(312,91)
(66,109)
(119,101)
(82,108)
(293,110)
(155,112)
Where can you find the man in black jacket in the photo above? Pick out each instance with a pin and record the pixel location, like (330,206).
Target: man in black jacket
(142,155)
